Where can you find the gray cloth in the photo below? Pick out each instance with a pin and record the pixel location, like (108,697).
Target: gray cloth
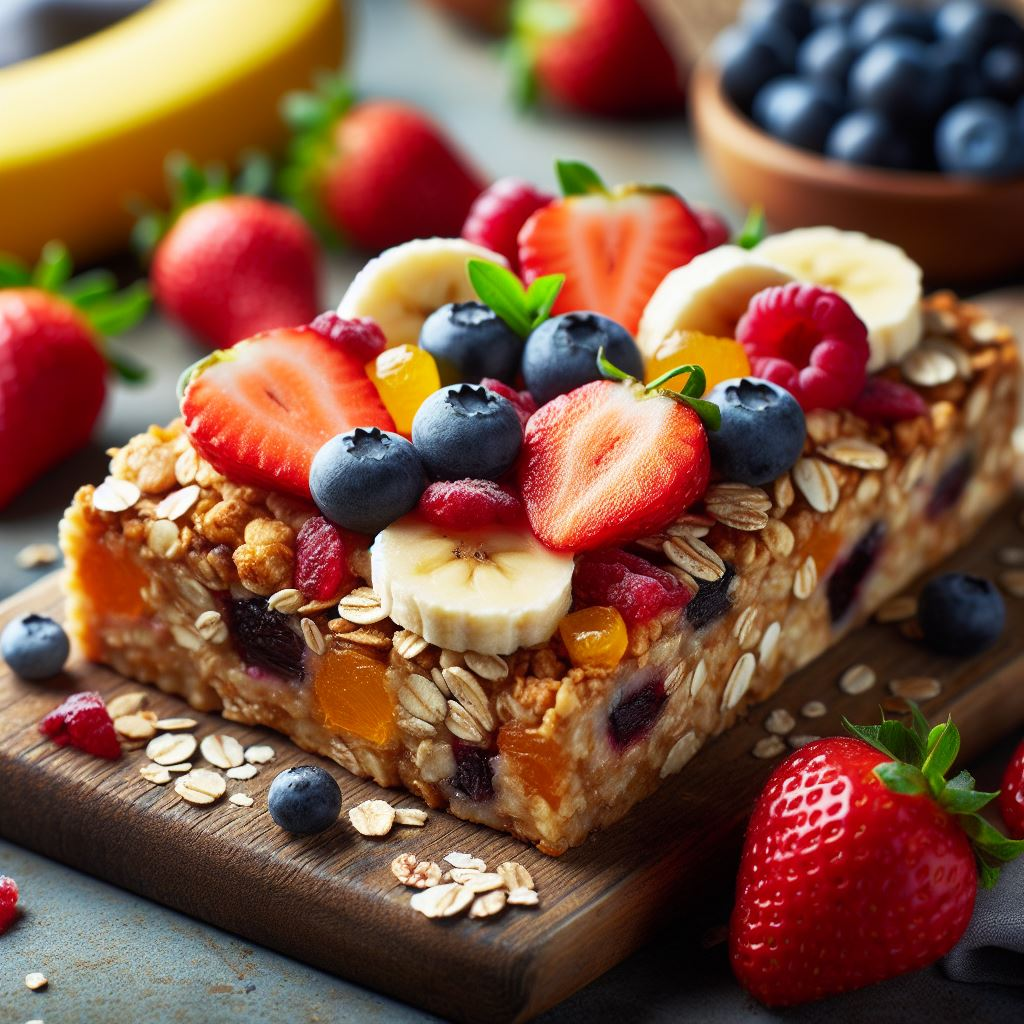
(992,949)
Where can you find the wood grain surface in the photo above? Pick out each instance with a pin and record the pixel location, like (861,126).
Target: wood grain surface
(331,900)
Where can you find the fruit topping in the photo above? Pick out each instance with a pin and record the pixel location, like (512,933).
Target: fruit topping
(636,589)
(260,411)
(304,800)
(321,562)
(467,432)
(360,336)
(470,341)
(365,479)
(950,486)
(8,902)
(1011,797)
(614,246)
(473,773)
(888,401)
(808,340)
(594,637)
(712,600)
(762,432)
(848,577)
(405,377)
(523,401)
(34,646)
(750,55)
(82,721)
(470,504)
(264,638)
(719,358)
(961,614)
(980,137)
(634,716)
(716,229)
(799,111)
(498,213)
(537,761)
(492,590)
(869,137)
(612,462)
(352,693)
(561,354)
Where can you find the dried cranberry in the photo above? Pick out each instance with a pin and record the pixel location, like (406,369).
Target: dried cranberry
(470,504)
(639,590)
(888,401)
(712,599)
(633,718)
(83,721)
(321,564)
(264,638)
(951,485)
(473,775)
(8,902)
(846,580)
(360,336)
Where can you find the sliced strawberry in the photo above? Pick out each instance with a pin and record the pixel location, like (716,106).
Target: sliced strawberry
(607,464)
(260,411)
(613,246)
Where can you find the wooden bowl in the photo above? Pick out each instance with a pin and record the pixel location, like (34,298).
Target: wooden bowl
(959,231)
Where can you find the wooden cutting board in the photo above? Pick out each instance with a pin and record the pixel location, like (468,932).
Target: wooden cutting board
(331,900)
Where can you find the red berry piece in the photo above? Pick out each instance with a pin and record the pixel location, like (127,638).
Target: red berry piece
(808,340)
(638,590)
(470,504)
(321,562)
(523,401)
(359,336)
(499,212)
(82,721)
(888,401)
(716,230)
(8,902)
(1011,795)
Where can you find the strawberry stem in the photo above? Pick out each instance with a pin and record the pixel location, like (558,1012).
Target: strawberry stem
(695,385)
(921,758)
(754,228)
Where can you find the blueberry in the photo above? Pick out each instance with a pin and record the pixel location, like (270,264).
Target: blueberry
(304,800)
(826,55)
(975,27)
(1002,71)
(960,71)
(264,638)
(899,77)
(961,614)
(750,56)
(762,432)
(466,431)
(366,479)
(868,137)
(34,647)
(977,137)
(712,600)
(634,716)
(792,15)
(879,20)
(833,12)
(847,577)
(469,341)
(561,354)
(798,111)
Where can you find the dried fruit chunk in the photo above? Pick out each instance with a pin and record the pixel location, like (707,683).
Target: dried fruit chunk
(595,636)
(473,773)
(634,716)
(352,693)
(538,762)
(405,376)
(638,590)
(264,638)
(82,721)
(321,565)
(720,358)
(8,902)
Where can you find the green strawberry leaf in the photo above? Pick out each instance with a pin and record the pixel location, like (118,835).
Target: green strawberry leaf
(901,777)
(920,724)
(709,413)
(54,267)
(524,87)
(256,177)
(89,287)
(578,179)
(754,229)
(117,313)
(126,367)
(892,739)
(943,747)
(609,370)
(521,308)
(695,384)
(13,273)
(964,801)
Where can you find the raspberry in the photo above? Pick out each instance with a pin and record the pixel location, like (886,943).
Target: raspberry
(639,590)
(469,504)
(886,401)
(522,401)
(82,721)
(499,212)
(321,566)
(359,336)
(264,638)
(808,340)
(8,902)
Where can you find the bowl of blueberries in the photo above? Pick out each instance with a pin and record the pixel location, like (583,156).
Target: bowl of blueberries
(902,120)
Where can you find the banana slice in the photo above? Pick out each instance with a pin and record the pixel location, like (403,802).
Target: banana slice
(709,294)
(878,279)
(491,591)
(402,286)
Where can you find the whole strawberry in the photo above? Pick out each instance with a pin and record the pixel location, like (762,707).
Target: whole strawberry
(603,57)
(1011,796)
(861,862)
(54,361)
(375,173)
(229,266)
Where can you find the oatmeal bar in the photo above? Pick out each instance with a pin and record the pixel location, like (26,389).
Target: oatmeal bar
(184,579)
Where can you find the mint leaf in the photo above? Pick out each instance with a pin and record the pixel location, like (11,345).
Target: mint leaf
(578,179)
(754,229)
(503,292)
(901,778)
(541,296)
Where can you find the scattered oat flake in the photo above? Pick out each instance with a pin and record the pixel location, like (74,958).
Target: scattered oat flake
(155,773)
(814,709)
(32,556)
(779,722)
(260,754)
(897,609)
(179,769)
(372,817)
(177,503)
(169,748)
(768,747)
(857,679)
(35,981)
(240,800)
(1011,556)
(222,750)
(915,688)
(465,860)
(442,900)
(1012,581)
(478,881)
(417,874)
(523,898)
(126,704)
(796,742)
(176,724)
(515,875)
(242,772)
(200,786)
(115,495)
(488,904)
(410,816)
(134,727)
